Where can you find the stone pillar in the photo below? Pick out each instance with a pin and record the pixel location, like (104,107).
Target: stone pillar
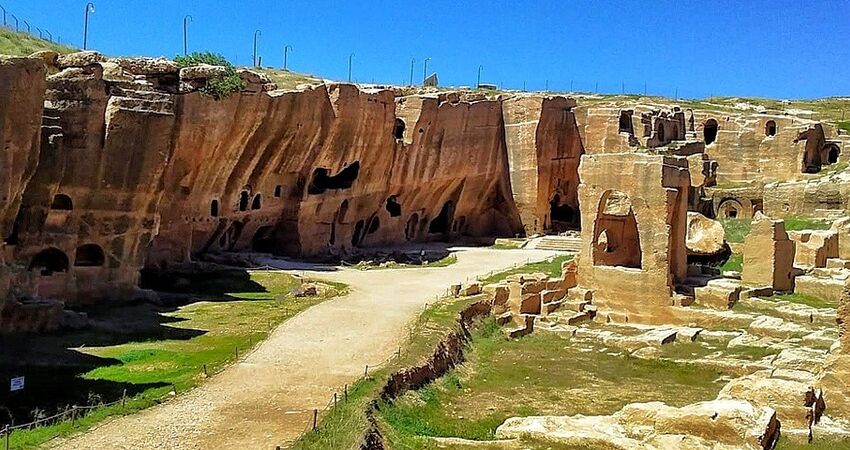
(768,255)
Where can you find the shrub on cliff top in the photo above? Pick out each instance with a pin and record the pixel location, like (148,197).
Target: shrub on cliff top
(218,87)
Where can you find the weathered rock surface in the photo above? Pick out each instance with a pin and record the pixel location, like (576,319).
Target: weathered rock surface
(705,236)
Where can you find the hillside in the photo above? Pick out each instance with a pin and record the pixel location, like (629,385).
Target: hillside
(23,44)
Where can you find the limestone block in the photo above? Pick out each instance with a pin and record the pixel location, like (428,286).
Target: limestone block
(471,289)
(658,336)
(718,294)
(202,72)
(786,396)
(813,248)
(79,59)
(824,288)
(705,236)
(148,66)
(533,287)
(842,227)
(455,289)
(530,304)
(838,263)
(806,359)
(775,327)
(48,56)
(549,296)
(500,293)
(768,255)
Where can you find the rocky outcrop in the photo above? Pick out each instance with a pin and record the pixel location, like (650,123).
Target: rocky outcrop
(705,236)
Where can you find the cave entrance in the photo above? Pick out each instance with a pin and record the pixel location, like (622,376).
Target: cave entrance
(709,131)
(357,236)
(625,123)
(244,198)
(62,202)
(89,255)
(831,152)
(659,132)
(231,236)
(730,209)
(49,261)
(398,129)
(258,202)
(393,207)
(616,240)
(323,181)
(441,223)
(263,240)
(214,208)
(770,128)
(563,217)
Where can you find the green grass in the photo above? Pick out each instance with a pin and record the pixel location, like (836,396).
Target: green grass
(179,364)
(286,79)
(802,299)
(844,125)
(736,229)
(551,267)
(23,44)
(540,374)
(800,223)
(817,444)
(734,263)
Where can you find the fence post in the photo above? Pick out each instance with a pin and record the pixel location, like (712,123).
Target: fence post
(124,399)
(346,392)
(206,375)
(399,353)
(366,372)
(334,401)
(236,349)
(315,418)
(74,415)
(8,436)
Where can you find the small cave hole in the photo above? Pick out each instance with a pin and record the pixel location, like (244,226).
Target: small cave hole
(258,202)
(322,181)
(89,255)
(441,223)
(398,129)
(244,198)
(709,131)
(62,202)
(49,261)
(770,128)
(393,207)
(214,208)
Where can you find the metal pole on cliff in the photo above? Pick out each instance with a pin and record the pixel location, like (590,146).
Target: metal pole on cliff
(16,21)
(89,10)
(478,85)
(186,19)
(29,29)
(286,49)
(412,63)
(4,15)
(350,64)
(257,33)
(425,71)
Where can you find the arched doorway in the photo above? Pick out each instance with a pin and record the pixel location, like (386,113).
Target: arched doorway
(89,255)
(709,131)
(770,128)
(244,198)
(730,209)
(263,240)
(398,129)
(62,202)
(616,240)
(49,261)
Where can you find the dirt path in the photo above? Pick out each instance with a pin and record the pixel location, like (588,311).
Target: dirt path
(267,399)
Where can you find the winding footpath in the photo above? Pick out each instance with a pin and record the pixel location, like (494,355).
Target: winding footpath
(266,399)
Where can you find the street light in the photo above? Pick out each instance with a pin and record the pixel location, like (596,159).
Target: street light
(40,34)
(480,68)
(286,49)
(89,9)
(29,30)
(4,15)
(16,21)
(256,34)
(186,19)
(412,62)
(350,62)
(425,71)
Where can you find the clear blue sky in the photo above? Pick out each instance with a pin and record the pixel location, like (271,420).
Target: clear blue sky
(778,48)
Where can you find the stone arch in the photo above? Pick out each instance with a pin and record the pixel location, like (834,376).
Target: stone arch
(616,240)
(398,129)
(214,208)
(62,202)
(257,203)
(709,131)
(730,209)
(49,261)
(89,255)
(770,128)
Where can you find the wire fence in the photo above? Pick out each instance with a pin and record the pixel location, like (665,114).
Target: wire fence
(14,23)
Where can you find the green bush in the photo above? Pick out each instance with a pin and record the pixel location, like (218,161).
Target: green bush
(219,87)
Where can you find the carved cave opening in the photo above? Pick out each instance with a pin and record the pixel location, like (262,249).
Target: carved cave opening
(89,255)
(730,209)
(441,223)
(770,128)
(49,261)
(322,181)
(563,216)
(278,191)
(398,129)
(410,227)
(625,122)
(231,236)
(659,131)
(356,237)
(62,202)
(832,152)
(244,198)
(616,241)
(709,131)
(214,208)
(263,240)
(258,202)
(393,207)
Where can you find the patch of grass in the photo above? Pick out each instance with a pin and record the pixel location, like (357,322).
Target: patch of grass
(801,223)
(817,444)
(736,229)
(178,364)
(844,125)
(551,267)
(802,299)
(734,263)
(24,44)
(540,374)
(286,79)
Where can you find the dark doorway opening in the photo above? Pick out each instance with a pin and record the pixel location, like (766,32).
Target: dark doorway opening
(244,198)
(358,231)
(709,131)
(410,227)
(563,217)
(263,240)
(214,208)
(441,223)
(258,202)
(49,261)
(770,128)
(89,255)
(393,207)
(398,129)
(62,202)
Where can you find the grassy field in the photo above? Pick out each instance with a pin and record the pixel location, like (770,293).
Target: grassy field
(802,299)
(153,368)
(23,44)
(551,267)
(738,229)
(541,374)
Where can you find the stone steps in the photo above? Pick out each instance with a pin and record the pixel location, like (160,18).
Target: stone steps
(559,243)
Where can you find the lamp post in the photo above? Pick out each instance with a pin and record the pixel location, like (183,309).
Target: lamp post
(89,9)
(257,33)
(480,68)
(350,63)
(425,71)
(286,50)
(4,15)
(29,30)
(412,62)
(16,21)
(40,34)
(49,34)
(186,19)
